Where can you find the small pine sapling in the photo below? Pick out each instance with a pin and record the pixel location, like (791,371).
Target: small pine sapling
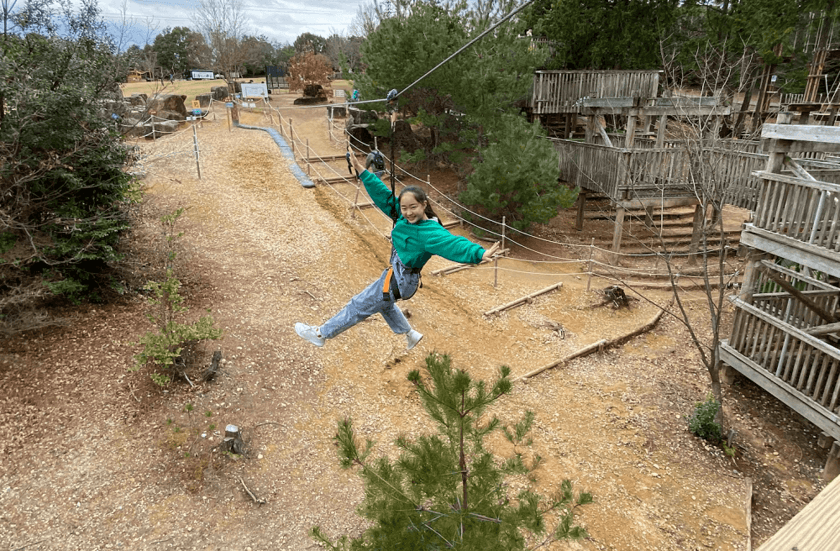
(446,490)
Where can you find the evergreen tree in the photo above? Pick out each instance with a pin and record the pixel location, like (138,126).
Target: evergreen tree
(517,176)
(446,490)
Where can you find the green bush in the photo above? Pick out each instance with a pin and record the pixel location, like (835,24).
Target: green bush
(63,187)
(702,423)
(164,347)
(446,491)
(517,176)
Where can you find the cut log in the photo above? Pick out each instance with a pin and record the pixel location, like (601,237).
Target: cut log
(603,344)
(232,441)
(523,300)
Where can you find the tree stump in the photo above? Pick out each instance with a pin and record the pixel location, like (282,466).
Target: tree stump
(232,441)
(213,368)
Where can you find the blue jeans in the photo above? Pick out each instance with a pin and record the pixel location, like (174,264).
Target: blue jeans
(362,306)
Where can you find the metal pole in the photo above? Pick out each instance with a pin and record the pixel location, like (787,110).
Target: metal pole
(195,143)
(589,279)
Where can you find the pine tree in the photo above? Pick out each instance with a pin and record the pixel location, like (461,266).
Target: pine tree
(446,491)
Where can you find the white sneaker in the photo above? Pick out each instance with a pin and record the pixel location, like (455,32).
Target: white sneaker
(311,334)
(412,338)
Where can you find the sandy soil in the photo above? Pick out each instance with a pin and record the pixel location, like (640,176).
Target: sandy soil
(97,457)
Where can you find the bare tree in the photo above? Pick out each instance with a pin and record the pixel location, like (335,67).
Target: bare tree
(222,22)
(694,166)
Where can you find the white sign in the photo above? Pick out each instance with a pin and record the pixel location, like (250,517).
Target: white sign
(339,93)
(202,75)
(254,90)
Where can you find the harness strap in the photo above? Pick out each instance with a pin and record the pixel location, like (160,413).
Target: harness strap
(386,286)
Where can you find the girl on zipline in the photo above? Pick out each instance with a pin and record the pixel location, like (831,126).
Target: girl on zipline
(417,235)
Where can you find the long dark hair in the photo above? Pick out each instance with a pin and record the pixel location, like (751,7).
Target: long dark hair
(421,197)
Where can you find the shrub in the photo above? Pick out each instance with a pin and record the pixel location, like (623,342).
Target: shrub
(702,423)
(446,490)
(517,176)
(164,347)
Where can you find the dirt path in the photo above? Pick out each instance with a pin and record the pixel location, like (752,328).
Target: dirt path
(95,457)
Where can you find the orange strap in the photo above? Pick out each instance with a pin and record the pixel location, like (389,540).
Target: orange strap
(386,286)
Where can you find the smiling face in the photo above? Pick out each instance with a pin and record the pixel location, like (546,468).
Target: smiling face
(412,209)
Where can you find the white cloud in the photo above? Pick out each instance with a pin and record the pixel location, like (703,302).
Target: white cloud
(278,20)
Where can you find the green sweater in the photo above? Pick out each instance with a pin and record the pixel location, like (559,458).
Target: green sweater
(416,243)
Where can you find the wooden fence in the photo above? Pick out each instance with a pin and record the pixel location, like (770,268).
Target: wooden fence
(787,354)
(732,167)
(557,92)
(804,210)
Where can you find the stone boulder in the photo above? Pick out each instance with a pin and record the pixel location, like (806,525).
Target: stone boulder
(337,110)
(137,99)
(218,93)
(170,116)
(358,116)
(168,103)
(305,100)
(204,99)
(314,91)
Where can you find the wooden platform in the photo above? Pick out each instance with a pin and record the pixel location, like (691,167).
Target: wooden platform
(814,528)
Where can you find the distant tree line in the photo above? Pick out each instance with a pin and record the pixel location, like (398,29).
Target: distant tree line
(180,49)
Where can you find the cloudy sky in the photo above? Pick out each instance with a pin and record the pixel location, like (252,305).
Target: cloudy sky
(279,20)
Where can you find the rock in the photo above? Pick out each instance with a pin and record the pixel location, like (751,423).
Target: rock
(336,110)
(361,133)
(168,102)
(204,99)
(218,93)
(314,91)
(171,116)
(358,116)
(309,100)
(137,99)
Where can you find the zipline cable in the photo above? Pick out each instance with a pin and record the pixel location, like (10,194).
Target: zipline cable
(467,45)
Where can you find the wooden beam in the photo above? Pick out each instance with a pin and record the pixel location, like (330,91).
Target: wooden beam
(823,329)
(523,300)
(807,302)
(816,258)
(802,133)
(797,170)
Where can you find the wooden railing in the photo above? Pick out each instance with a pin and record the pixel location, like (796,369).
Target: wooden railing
(559,91)
(804,210)
(771,298)
(590,166)
(788,354)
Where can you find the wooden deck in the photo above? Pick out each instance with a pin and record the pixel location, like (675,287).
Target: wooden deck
(556,92)
(815,528)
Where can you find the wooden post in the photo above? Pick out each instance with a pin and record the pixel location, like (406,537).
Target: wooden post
(154,132)
(696,231)
(230,126)
(630,132)
(660,134)
(581,207)
(591,250)
(308,153)
(356,200)
(503,233)
(495,272)
(195,145)
(832,463)
(291,134)
(619,228)
(375,146)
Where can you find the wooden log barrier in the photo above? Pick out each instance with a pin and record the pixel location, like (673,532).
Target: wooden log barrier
(523,300)
(603,344)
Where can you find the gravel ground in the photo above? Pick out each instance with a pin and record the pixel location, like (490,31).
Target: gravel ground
(96,457)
